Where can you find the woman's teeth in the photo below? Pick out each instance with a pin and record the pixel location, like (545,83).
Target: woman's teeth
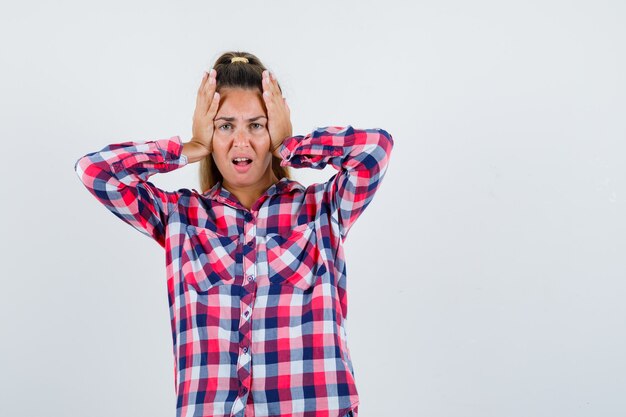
(241,161)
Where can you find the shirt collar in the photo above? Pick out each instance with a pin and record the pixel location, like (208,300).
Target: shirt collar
(221,194)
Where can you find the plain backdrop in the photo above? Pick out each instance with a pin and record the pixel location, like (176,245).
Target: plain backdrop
(485,279)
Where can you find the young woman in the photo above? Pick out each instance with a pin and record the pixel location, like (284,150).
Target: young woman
(255,266)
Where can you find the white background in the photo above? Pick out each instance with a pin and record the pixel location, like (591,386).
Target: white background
(486,278)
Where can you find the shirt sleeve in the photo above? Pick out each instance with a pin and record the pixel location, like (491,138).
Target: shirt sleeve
(360,156)
(117,176)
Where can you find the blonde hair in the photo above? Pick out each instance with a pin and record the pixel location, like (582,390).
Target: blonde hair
(241,74)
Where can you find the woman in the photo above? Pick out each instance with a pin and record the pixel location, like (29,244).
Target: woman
(255,265)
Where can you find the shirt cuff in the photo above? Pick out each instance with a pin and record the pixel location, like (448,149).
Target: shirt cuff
(172,150)
(287,147)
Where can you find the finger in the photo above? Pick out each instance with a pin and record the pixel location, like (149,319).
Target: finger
(267,93)
(215,103)
(209,86)
(205,77)
(273,98)
(204,90)
(271,79)
(201,105)
(199,97)
(272,85)
(269,104)
(275,85)
(265,81)
(208,95)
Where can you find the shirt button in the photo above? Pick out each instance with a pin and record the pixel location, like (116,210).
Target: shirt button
(251,243)
(245,349)
(244,390)
(246,313)
(250,277)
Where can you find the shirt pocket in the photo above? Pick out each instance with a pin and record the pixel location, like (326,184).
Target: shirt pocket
(208,258)
(292,257)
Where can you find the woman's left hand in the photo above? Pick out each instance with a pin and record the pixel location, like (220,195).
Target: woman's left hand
(278,113)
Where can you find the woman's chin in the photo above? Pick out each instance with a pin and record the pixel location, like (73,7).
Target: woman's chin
(247,177)
(243,180)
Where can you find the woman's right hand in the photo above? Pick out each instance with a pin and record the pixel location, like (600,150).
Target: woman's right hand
(207,103)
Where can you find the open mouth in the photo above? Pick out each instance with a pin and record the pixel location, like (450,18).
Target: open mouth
(242,161)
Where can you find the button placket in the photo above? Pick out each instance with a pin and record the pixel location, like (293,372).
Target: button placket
(246,302)
(250,237)
(249,259)
(247,313)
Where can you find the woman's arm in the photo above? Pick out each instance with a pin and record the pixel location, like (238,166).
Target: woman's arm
(360,156)
(117,176)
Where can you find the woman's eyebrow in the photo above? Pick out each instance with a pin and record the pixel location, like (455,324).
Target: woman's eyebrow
(232,119)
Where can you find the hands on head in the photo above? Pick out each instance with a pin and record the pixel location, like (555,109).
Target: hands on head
(278,113)
(207,104)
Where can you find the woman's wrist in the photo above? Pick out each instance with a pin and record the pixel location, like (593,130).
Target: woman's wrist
(195,151)
(275,149)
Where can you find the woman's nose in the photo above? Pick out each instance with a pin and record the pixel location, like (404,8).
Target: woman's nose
(241,138)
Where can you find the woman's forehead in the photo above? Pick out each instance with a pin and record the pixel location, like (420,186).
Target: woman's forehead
(239,102)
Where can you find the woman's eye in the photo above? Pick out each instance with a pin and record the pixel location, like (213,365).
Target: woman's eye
(224,127)
(257,126)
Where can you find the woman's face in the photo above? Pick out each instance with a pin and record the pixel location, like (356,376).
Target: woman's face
(241,131)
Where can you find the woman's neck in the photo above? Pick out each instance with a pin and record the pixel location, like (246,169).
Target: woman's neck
(249,194)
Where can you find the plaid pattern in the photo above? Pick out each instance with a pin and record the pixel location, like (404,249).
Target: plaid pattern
(257,297)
